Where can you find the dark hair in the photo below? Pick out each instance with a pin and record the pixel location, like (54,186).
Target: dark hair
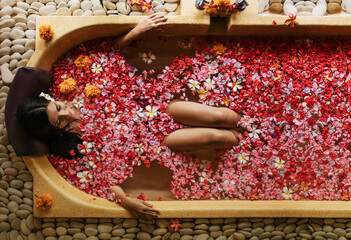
(32,116)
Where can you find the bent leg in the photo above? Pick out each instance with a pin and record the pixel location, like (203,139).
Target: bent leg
(196,114)
(191,139)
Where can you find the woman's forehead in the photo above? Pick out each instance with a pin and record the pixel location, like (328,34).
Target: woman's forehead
(52,112)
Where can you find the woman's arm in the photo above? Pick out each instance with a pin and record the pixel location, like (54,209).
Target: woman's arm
(151,23)
(136,207)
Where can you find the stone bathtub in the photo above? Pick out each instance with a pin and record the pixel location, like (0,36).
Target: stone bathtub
(70,31)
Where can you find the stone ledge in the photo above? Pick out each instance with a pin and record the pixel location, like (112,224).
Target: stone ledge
(249,22)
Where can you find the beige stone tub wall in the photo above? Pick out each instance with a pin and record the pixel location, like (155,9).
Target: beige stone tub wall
(71,202)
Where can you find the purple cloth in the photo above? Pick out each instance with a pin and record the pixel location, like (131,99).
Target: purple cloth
(27,82)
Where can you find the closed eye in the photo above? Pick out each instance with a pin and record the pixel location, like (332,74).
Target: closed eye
(58,108)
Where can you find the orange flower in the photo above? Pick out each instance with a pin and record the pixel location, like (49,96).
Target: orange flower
(82,61)
(175,224)
(219,49)
(46,32)
(92,91)
(67,86)
(44,201)
(291,21)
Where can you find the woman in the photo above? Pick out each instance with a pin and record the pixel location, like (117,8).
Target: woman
(58,123)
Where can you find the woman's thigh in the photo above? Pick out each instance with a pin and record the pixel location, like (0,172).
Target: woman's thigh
(191,139)
(200,115)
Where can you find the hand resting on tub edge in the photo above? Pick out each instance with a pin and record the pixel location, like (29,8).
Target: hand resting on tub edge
(58,123)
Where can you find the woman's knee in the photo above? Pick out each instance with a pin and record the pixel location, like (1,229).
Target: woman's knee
(223,138)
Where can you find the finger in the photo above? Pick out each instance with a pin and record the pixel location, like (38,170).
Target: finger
(153,15)
(147,204)
(152,210)
(160,24)
(153,214)
(160,18)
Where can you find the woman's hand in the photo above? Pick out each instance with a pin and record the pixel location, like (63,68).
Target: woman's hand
(136,207)
(153,22)
(140,208)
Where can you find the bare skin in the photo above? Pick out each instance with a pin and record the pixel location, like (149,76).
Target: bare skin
(209,127)
(154,23)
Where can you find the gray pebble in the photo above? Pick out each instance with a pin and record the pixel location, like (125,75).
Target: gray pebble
(30,34)
(49,232)
(160,231)
(20,11)
(118,232)
(28,193)
(7,23)
(79,236)
(25,177)
(21,18)
(186,231)
(196,232)
(329,221)
(130,222)
(78,12)
(3,193)
(340,232)
(16,184)
(105,227)
(61,231)
(12,206)
(91,231)
(328,228)
(19,165)
(238,236)
(143,236)
(31,25)
(202,237)
(229,226)
(4,210)
(257,231)
(228,232)
(331,235)
(5,59)
(133,230)
(162,223)
(132,236)
(217,220)
(5,3)
(4,227)
(188,224)
(265,235)
(16,224)
(201,227)
(3,218)
(22,213)
(24,228)
(16,198)
(14,191)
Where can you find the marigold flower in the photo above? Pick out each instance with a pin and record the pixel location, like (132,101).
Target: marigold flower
(92,91)
(44,201)
(67,86)
(46,32)
(219,49)
(82,61)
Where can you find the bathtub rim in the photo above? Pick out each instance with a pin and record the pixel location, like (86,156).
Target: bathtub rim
(71,202)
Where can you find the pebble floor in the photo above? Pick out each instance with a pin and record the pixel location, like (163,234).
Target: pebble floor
(17,35)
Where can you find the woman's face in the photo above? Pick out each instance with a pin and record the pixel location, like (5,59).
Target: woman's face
(63,115)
